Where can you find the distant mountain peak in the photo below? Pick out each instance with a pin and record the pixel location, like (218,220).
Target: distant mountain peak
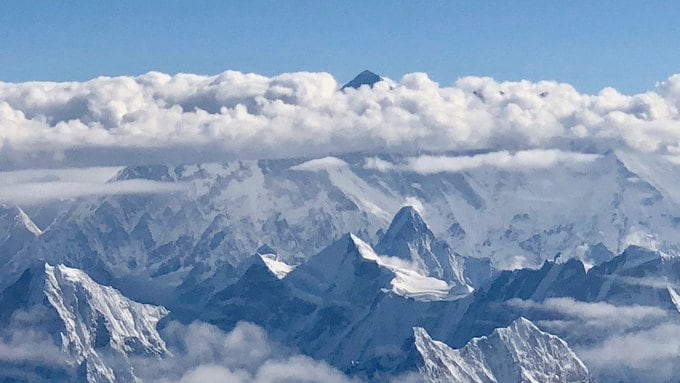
(408,221)
(364,78)
(409,238)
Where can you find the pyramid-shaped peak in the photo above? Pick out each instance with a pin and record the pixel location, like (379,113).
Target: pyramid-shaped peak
(364,78)
(163,173)
(406,225)
(329,260)
(367,74)
(408,215)
(409,238)
(348,268)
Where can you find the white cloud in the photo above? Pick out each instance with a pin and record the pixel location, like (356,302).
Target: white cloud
(26,345)
(192,117)
(595,314)
(416,204)
(649,355)
(525,159)
(26,187)
(91,174)
(204,354)
(320,164)
(655,283)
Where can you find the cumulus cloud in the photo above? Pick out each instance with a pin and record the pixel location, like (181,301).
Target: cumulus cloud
(26,187)
(175,118)
(524,159)
(204,354)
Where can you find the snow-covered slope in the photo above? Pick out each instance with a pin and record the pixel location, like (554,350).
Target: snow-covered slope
(344,305)
(409,238)
(347,303)
(87,309)
(350,266)
(223,212)
(518,353)
(95,326)
(348,269)
(350,306)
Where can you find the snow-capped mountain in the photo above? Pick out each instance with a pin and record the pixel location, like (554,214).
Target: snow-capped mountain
(268,242)
(95,327)
(347,269)
(637,277)
(518,353)
(346,305)
(409,238)
(367,331)
(222,213)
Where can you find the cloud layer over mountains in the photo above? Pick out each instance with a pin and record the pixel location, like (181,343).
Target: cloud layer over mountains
(205,354)
(186,117)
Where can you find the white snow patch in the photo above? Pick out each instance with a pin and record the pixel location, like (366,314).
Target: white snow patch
(279,268)
(407,282)
(318,164)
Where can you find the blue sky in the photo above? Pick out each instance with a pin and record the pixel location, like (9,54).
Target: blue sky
(591,44)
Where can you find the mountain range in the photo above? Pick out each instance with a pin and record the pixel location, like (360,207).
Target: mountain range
(359,261)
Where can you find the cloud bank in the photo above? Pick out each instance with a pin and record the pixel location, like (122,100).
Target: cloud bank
(35,186)
(524,159)
(186,117)
(647,355)
(204,354)
(595,315)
